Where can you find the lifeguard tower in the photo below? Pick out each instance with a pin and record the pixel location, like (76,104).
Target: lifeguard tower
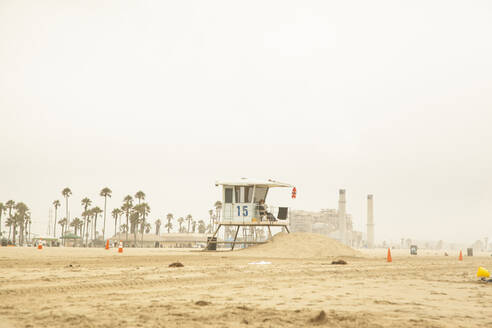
(243,206)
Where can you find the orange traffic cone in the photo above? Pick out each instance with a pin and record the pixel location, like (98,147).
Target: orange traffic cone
(40,244)
(120,249)
(461,256)
(388,257)
(107,244)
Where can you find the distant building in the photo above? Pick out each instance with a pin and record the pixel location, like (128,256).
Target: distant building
(325,222)
(163,240)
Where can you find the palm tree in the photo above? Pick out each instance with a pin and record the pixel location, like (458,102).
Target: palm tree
(211,215)
(140,195)
(10,204)
(218,207)
(86,202)
(105,192)
(22,210)
(80,226)
(28,226)
(76,224)
(56,204)
(63,223)
(86,226)
(143,210)
(9,223)
(134,219)
(124,228)
(188,218)
(88,215)
(67,193)
(126,208)
(95,212)
(180,221)
(148,227)
(201,226)
(169,224)
(116,213)
(157,226)
(3,208)
(193,226)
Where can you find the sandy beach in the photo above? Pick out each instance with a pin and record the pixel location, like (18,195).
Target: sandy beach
(74,287)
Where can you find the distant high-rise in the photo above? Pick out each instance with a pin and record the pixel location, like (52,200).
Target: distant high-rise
(342,217)
(370,221)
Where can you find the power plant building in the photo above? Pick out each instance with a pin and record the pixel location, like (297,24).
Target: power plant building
(336,223)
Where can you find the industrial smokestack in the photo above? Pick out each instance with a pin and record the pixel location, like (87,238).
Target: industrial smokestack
(342,216)
(370,222)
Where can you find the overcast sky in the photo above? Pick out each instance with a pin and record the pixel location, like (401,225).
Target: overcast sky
(385,97)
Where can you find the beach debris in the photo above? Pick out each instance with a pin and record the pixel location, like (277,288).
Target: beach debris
(388,257)
(202,303)
(446,254)
(339,262)
(320,318)
(261,263)
(176,265)
(244,308)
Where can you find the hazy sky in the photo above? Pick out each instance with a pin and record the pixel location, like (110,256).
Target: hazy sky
(385,97)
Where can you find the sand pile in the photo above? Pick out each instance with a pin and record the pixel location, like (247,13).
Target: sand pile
(299,245)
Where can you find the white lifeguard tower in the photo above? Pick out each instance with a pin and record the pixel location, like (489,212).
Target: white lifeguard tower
(242,206)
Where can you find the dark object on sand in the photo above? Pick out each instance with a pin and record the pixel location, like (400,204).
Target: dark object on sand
(338,262)
(413,249)
(446,254)
(202,303)
(320,318)
(176,265)
(469,251)
(211,243)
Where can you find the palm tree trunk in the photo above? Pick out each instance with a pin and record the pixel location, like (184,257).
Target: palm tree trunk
(26,231)
(54,227)
(127,227)
(14,233)
(66,207)
(87,232)
(21,232)
(142,228)
(83,230)
(104,221)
